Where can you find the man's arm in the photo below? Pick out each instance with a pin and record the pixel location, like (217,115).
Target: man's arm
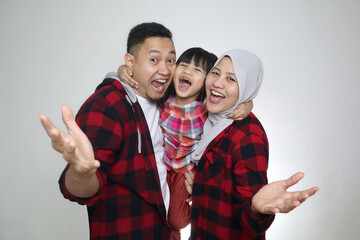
(241,111)
(80,180)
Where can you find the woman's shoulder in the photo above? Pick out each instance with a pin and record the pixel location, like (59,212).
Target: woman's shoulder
(250,124)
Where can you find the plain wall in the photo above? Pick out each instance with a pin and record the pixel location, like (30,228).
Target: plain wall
(57,52)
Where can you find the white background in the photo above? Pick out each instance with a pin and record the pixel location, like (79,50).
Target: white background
(57,52)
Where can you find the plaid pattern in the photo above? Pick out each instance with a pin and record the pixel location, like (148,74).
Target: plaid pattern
(182,126)
(231,171)
(129,204)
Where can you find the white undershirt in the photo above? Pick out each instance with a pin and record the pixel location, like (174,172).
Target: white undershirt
(152,115)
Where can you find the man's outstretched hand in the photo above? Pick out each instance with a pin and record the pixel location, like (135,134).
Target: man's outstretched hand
(77,151)
(273,198)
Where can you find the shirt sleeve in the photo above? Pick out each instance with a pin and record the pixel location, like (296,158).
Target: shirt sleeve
(102,126)
(251,163)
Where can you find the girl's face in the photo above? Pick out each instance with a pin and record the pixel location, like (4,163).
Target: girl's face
(222,91)
(188,82)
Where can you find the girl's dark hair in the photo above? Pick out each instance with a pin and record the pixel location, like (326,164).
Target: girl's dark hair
(201,58)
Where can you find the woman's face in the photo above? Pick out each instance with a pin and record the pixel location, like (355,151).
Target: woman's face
(222,91)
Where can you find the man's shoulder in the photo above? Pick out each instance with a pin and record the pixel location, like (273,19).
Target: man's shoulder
(108,96)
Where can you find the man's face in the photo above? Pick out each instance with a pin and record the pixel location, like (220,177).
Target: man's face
(154,67)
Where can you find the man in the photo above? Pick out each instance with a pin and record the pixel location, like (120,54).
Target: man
(127,195)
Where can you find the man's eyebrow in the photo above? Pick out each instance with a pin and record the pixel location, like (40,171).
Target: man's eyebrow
(157,51)
(154,51)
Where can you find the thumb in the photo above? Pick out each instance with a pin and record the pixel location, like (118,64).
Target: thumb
(271,210)
(293,179)
(68,118)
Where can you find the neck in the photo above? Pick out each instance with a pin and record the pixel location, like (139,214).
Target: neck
(184,101)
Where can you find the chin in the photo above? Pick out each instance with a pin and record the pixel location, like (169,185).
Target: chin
(156,96)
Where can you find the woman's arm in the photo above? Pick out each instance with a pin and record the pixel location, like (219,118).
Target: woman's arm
(273,198)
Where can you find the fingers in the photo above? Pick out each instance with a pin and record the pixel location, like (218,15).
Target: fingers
(236,114)
(133,83)
(189,177)
(56,135)
(241,111)
(295,199)
(67,114)
(69,121)
(188,187)
(189,181)
(47,124)
(307,193)
(293,179)
(125,74)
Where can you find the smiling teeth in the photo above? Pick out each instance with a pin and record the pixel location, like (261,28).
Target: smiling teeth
(217,94)
(161,80)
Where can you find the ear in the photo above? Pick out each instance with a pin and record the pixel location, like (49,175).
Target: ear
(129,60)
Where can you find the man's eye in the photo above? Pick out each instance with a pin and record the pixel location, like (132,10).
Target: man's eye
(171,60)
(153,60)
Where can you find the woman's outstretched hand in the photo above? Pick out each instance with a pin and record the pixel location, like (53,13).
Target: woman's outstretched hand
(273,198)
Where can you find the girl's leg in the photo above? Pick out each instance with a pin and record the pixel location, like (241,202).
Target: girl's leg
(179,215)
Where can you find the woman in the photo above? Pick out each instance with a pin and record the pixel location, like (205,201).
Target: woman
(232,157)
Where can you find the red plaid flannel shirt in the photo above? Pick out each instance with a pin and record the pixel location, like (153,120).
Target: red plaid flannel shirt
(129,204)
(231,170)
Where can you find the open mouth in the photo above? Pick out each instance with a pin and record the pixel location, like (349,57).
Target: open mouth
(216,97)
(184,83)
(158,85)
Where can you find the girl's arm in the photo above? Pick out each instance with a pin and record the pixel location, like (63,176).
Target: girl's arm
(125,75)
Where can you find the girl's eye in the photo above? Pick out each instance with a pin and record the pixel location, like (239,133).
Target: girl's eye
(183,64)
(198,69)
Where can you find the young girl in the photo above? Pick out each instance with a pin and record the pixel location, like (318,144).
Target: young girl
(183,114)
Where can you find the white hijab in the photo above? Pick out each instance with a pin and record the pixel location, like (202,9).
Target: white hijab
(248,71)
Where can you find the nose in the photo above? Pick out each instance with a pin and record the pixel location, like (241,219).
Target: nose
(187,71)
(164,68)
(218,82)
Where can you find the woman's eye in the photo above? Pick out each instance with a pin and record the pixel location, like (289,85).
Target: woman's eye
(215,73)
(232,79)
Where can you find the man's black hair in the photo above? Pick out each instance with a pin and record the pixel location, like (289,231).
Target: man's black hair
(201,58)
(141,32)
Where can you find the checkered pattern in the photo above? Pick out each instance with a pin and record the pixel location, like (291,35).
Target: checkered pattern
(129,204)
(231,170)
(182,126)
